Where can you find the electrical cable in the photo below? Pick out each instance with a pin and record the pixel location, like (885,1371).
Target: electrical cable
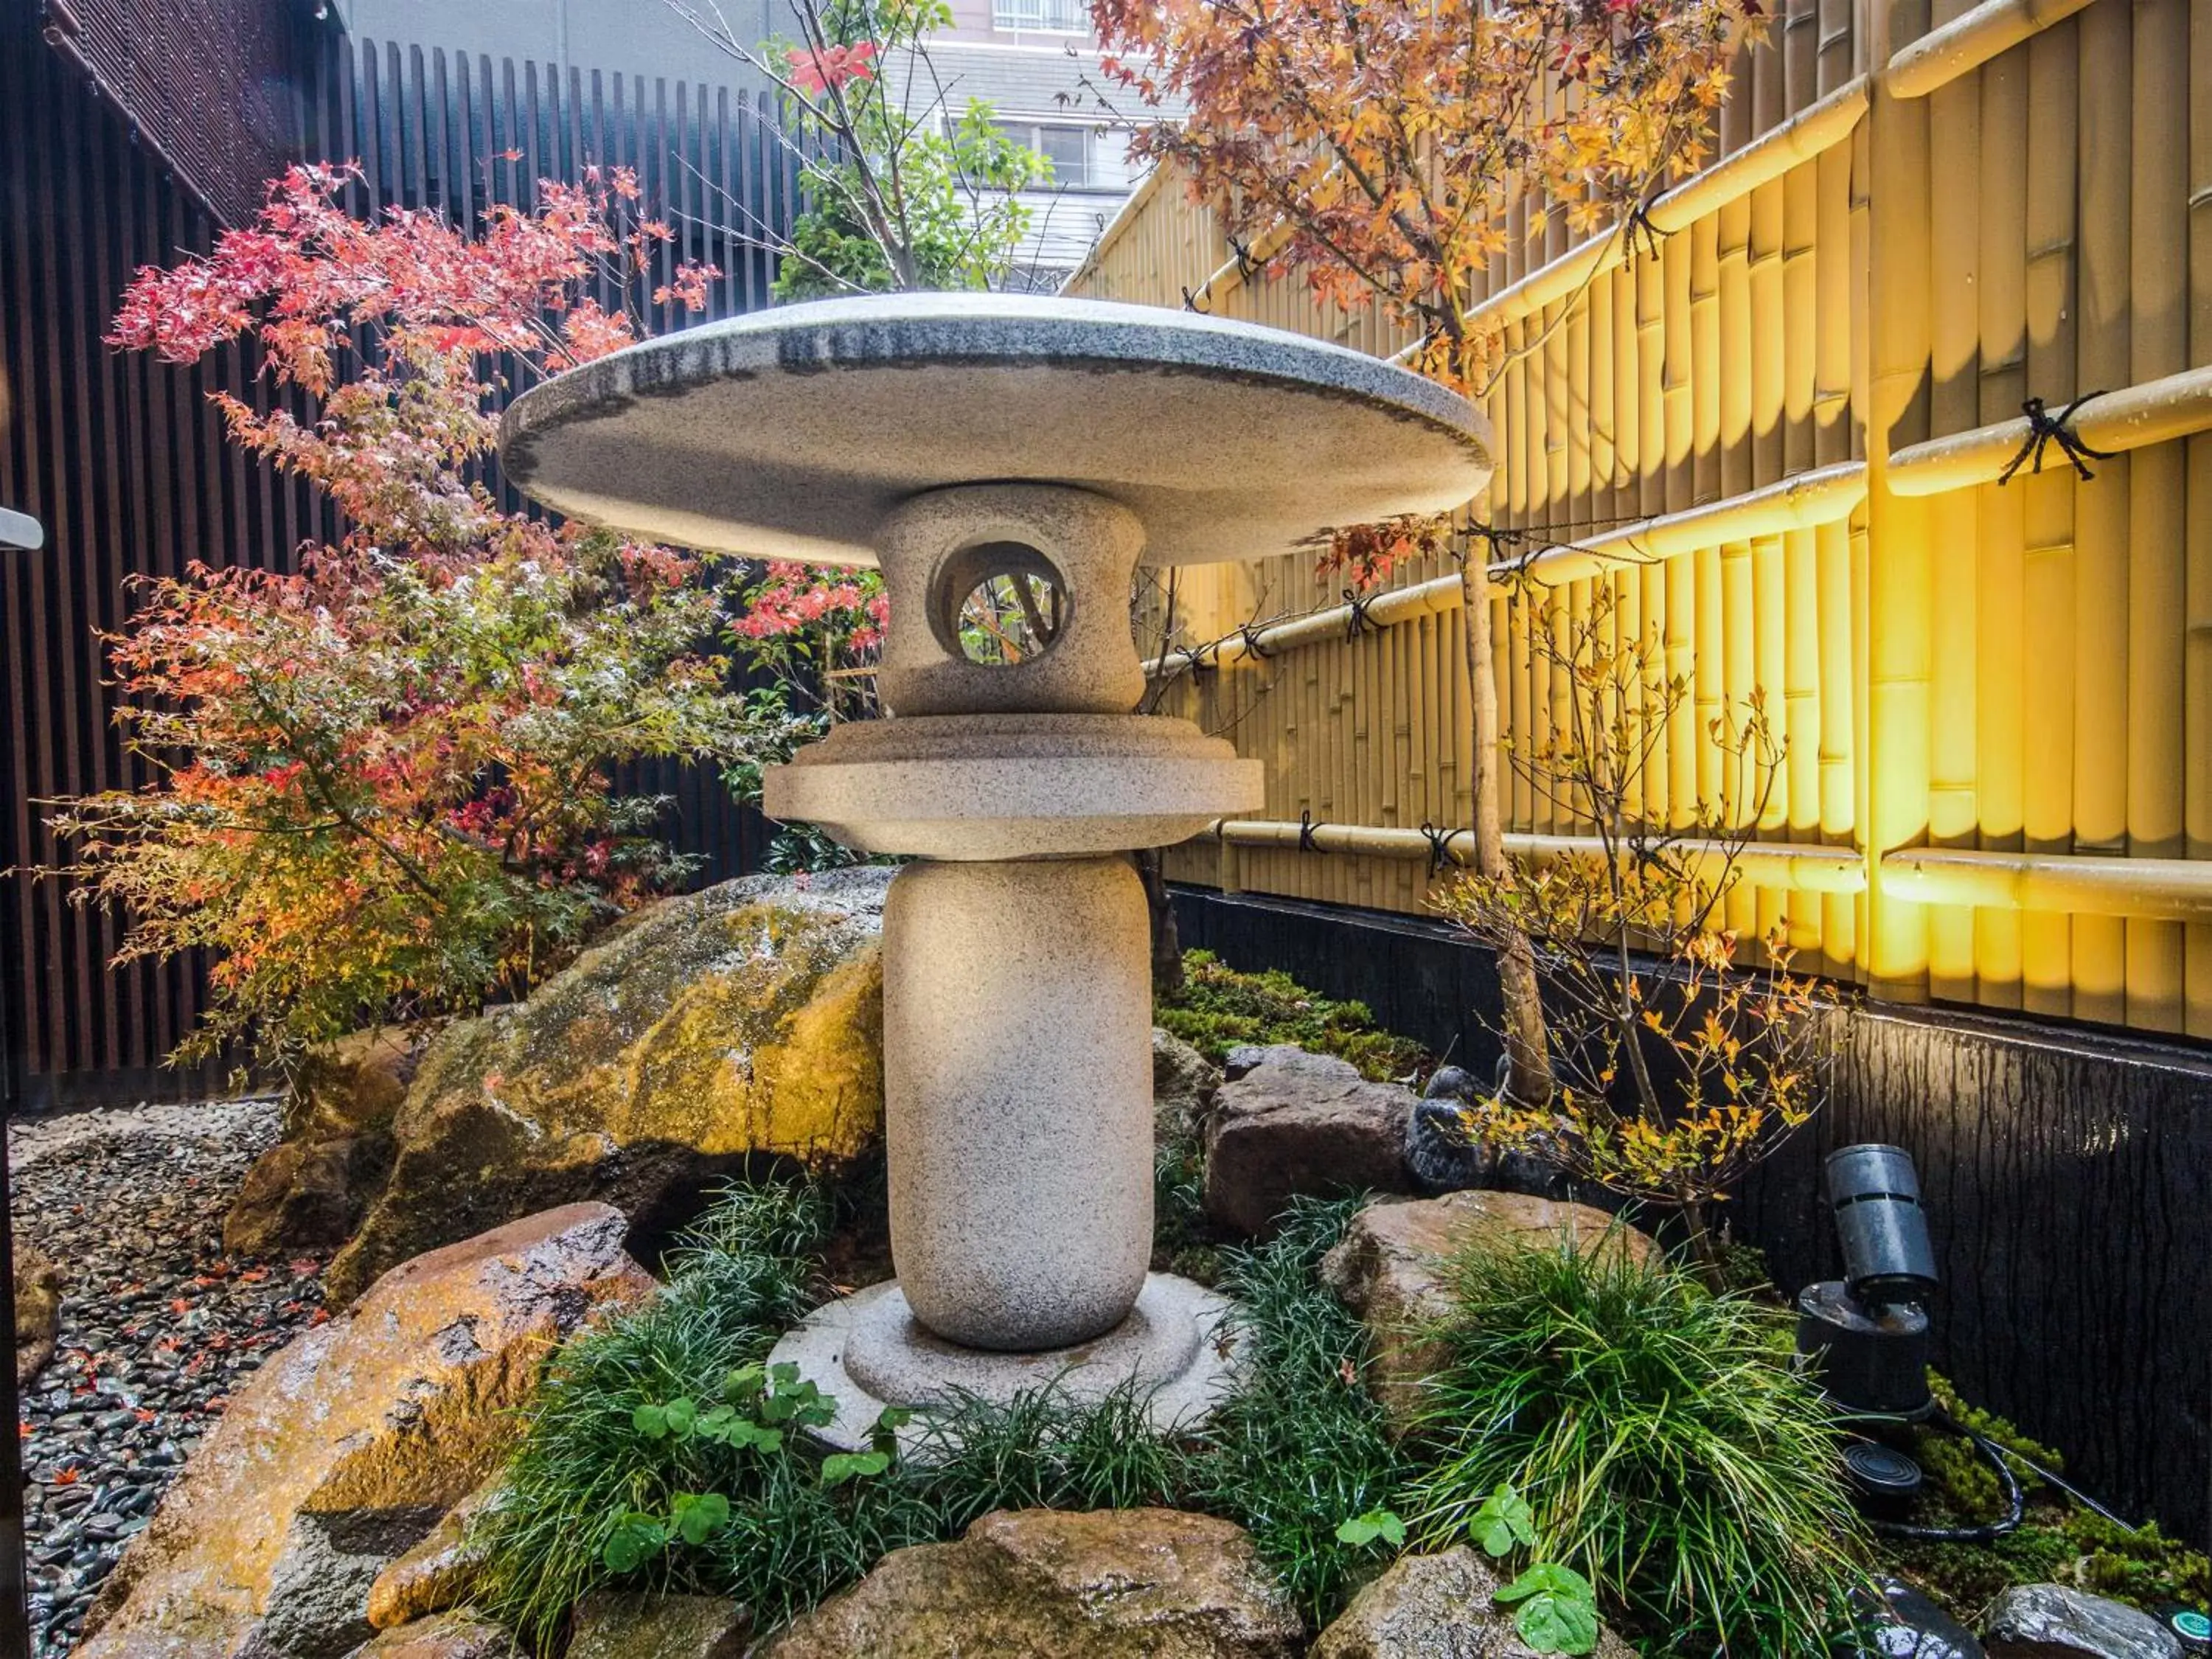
(1988,1532)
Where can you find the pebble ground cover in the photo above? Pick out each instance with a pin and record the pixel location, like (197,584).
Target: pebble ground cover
(157,1325)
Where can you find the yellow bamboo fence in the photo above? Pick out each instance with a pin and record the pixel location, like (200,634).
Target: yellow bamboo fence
(1778,435)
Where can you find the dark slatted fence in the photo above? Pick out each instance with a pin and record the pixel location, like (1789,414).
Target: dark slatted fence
(124,461)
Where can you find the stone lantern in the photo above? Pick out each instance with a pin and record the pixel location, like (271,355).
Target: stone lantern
(1045,448)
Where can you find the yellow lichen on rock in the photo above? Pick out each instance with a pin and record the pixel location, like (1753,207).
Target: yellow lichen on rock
(745,1022)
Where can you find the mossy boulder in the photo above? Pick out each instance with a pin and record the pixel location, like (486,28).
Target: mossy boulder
(736,1023)
(1052,1584)
(345,1449)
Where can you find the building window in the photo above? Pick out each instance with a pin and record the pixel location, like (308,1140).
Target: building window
(1083,158)
(1056,16)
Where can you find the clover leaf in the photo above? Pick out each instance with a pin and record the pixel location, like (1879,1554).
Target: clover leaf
(1558,1609)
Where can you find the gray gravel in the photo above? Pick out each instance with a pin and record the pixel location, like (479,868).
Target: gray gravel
(157,1326)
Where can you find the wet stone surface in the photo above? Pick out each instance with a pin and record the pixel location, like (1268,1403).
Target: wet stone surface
(157,1325)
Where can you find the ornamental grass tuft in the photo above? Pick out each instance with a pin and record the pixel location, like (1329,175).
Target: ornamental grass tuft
(1669,1451)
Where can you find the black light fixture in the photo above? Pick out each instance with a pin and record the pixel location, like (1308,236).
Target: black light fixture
(1866,1334)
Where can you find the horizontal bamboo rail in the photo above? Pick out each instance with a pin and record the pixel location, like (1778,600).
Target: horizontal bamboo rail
(2174,406)
(2166,890)
(1393,606)
(1796,869)
(1801,138)
(1942,55)
(1801,501)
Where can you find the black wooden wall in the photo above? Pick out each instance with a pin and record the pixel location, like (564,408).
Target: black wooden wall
(123,460)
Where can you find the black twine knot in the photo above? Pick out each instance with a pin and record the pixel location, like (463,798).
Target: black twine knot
(1439,845)
(2044,429)
(1255,647)
(1245,265)
(1639,224)
(1355,622)
(1204,659)
(1306,827)
(1190,303)
(1499,539)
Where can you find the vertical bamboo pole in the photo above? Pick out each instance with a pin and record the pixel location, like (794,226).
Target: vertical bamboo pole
(1837,280)
(1770,346)
(2100,504)
(1628,601)
(2047,790)
(1595,501)
(1704,239)
(1954,157)
(2157,343)
(1710,669)
(1801,314)
(1627,398)
(1897,620)
(1681,490)
(1737,348)
(1770,679)
(2196,581)
(2000,739)
(1801,718)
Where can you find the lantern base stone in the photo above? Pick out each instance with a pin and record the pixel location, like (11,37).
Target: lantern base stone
(868,1351)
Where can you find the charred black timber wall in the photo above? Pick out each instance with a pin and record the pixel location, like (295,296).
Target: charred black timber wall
(125,462)
(2068,1171)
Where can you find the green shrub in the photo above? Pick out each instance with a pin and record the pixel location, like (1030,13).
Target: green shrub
(1219,1008)
(583,1464)
(1301,1446)
(1668,1449)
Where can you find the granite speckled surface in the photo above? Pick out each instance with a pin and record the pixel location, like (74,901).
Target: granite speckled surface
(791,433)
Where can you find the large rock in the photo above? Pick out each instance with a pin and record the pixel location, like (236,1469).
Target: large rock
(439,1571)
(448,1636)
(306,1194)
(310,1190)
(1048,1584)
(38,1311)
(1288,1122)
(659,1627)
(2051,1622)
(705,1029)
(1184,1083)
(343,1451)
(1436,1607)
(1390,1268)
(354,1086)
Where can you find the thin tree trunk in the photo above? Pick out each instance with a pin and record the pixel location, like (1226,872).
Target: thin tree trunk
(1167,941)
(1528,1065)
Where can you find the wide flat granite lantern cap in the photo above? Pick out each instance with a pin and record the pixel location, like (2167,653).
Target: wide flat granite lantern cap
(791,434)
(987,442)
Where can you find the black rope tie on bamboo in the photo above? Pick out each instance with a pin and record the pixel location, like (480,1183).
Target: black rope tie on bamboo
(1247,267)
(1439,845)
(1306,828)
(1639,224)
(1500,538)
(1355,621)
(1255,647)
(2044,429)
(1204,659)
